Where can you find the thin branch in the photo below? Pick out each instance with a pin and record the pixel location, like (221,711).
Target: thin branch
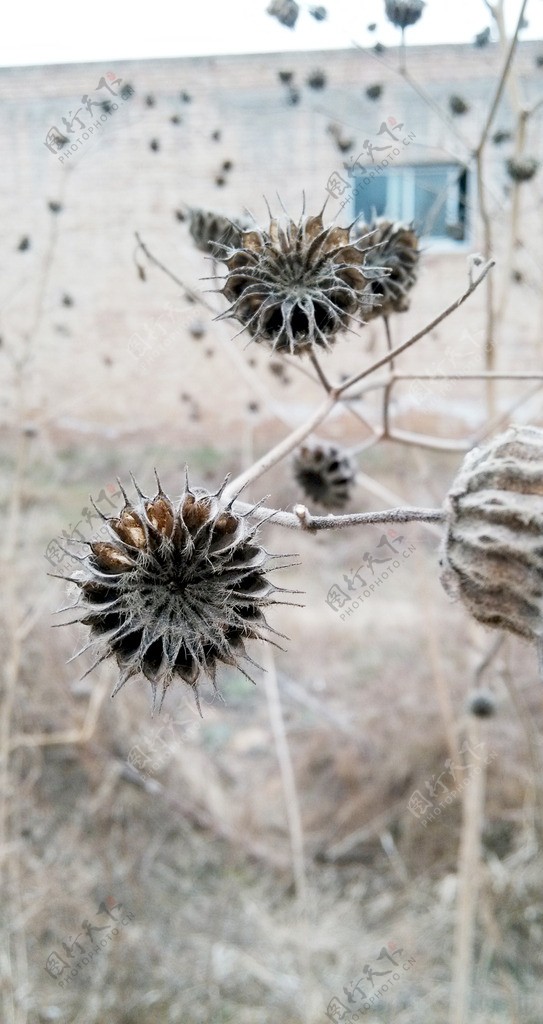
(282,449)
(416,337)
(502,81)
(301,518)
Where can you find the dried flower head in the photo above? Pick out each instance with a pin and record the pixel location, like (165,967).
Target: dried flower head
(286,11)
(177,589)
(481,703)
(296,287)
(492,553)
(373,92)
(458,106)
(394,246)
(207,229)
(316,80)
(325,473)
(522,168)
(403,13)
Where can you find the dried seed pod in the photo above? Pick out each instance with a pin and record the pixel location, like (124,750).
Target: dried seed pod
(286,11)
(403,13)
(325,473)
(316,80)
(522,168)
(481,703)
(209,229)
(177,590)
(458,106)
(394,246)
(492,553)
(296,287)
(373,92)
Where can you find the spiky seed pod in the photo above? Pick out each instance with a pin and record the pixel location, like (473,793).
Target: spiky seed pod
(373,92)
(316,80)
(325,473)
(393,245)
(176,590)
(492,553)
(286,11)
(403,13)
(296,287)
(458,106)
(481,703)
(207,229)
(522,169)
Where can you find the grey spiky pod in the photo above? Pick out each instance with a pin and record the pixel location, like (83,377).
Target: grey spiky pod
(177,589)
(492,553)
(481,703)
(325,473)
(393,245)
(296,287)
(522,169)
(403,13)
(286,11)
(207,229)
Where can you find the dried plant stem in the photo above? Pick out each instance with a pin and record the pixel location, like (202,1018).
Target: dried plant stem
(420,334)
(469,877)
(282,449)
(292,807)
(489,350)
(301,518)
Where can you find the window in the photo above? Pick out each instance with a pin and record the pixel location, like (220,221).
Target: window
(432,196)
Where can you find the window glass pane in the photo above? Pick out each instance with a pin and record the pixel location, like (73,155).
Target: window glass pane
(371,198)
(433,199)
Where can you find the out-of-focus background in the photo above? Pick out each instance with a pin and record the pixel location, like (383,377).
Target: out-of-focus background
(258,863)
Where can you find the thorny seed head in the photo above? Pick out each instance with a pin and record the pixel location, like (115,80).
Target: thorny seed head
(176,590)
(522,169)
(286,11)
(207,228)
(393,245)
(296,287)
(403,13)
(492,553)
(325,473)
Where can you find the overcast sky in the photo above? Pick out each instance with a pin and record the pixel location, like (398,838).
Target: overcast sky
(61,31)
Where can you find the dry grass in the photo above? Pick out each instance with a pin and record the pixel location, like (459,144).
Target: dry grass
(200,854)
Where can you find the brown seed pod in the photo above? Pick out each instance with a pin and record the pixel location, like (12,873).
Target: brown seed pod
(326,474)
(522,168)
(296,287)
(492,553)
(177,590)
(394,246)
(403,13)
(286,11)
